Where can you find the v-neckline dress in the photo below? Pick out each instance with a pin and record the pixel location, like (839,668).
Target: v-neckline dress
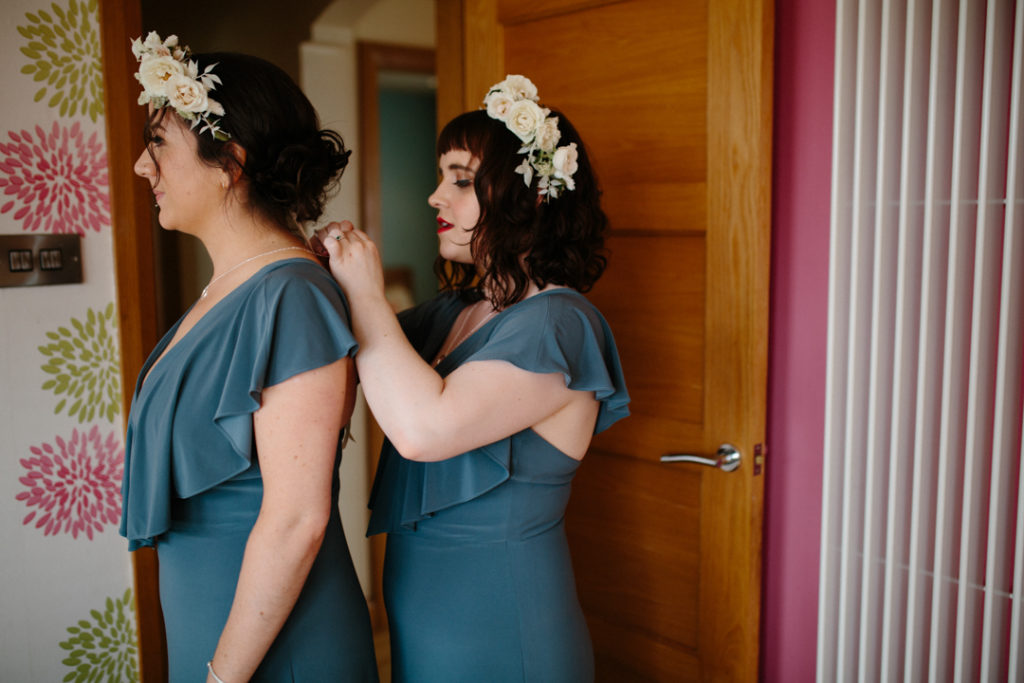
(192,484)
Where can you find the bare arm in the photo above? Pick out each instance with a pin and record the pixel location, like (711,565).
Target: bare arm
(297,429)
(425,416)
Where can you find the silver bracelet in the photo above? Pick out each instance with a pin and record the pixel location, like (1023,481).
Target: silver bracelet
(216,678)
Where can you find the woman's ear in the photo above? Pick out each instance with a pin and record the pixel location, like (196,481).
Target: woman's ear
(234,169)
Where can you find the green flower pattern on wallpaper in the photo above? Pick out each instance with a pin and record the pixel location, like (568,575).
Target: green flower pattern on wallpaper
(104,649)
(83,362)
(64,47)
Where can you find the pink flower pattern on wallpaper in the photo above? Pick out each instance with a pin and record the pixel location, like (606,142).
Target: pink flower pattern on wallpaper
(56,181)
(74,487)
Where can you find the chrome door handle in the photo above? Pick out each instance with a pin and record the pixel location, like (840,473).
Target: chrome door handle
(727,458)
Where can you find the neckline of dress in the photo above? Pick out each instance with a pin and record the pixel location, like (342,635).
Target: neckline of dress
(489,322)
(162,349)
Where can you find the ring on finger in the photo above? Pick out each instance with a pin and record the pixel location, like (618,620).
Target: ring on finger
(338,237)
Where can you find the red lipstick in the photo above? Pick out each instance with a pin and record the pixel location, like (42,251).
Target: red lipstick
(443,225)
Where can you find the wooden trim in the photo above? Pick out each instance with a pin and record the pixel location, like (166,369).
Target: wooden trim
(484,59)
(739,211)
(511,13)
(131,228)
(371,59)
(450,61)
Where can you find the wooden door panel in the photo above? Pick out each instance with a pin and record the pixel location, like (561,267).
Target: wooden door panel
(510,12)
(660,332)
(634,517)
(666,662)
(623,108)
(636,513)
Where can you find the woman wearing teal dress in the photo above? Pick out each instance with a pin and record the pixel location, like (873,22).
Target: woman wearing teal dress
(489,396)
(233,444)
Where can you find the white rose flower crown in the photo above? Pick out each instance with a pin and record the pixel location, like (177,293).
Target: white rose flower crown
(170,78)
(514,102)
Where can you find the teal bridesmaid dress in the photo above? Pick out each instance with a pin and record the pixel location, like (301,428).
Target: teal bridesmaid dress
(478,581)
(192,484)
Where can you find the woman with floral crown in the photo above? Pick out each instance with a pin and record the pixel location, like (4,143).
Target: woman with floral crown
(489,396)
(233,443)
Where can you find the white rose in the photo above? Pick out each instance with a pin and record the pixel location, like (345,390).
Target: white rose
(548,133)
(566,163)
(156,72)
(186,95)
(520,87)
(498,104)
(523,119)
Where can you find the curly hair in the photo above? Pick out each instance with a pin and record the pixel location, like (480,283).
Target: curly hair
(519,239)
(292,166)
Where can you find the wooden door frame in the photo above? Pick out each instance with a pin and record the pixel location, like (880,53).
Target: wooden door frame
(371,59)
(131,216)
(738,211)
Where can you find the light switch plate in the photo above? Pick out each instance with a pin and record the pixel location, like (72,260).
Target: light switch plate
(27,260)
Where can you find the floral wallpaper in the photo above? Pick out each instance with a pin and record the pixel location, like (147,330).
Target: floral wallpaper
(103,649)
(55,181)
(66,608)
(75,487)
(63,49)
(85,366)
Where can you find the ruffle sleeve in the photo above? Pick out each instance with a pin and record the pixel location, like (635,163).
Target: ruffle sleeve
(293,326)
(406,492)
(563,332)
(556,332)
(191,427)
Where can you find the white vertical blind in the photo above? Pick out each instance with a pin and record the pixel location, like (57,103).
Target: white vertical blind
(1006,576)
(838,336)
(922,562)
(883,284)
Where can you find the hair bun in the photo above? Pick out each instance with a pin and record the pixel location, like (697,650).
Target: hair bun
(292,165)
(300,176)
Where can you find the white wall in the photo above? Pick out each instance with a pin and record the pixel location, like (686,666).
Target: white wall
(56,578)
(328,77)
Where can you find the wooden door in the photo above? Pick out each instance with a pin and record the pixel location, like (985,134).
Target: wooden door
(673,98)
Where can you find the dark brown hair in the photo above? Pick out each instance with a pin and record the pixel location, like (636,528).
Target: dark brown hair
(291,164)
(519,239)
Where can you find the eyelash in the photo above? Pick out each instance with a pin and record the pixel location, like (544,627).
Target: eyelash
(463,183)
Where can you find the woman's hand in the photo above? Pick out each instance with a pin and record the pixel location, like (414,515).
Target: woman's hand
(354,260)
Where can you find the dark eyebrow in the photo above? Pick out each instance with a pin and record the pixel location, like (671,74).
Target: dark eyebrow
(460,167)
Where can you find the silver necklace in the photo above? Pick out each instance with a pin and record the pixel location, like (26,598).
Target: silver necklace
(242,263)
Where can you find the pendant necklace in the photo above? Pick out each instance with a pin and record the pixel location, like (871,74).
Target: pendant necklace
(458,337)
(242,263)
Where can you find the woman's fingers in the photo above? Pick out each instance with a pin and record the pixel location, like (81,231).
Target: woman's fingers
(335,234)
(329,237)
(353,258)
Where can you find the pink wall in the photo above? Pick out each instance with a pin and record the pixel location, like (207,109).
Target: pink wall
(804,35)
